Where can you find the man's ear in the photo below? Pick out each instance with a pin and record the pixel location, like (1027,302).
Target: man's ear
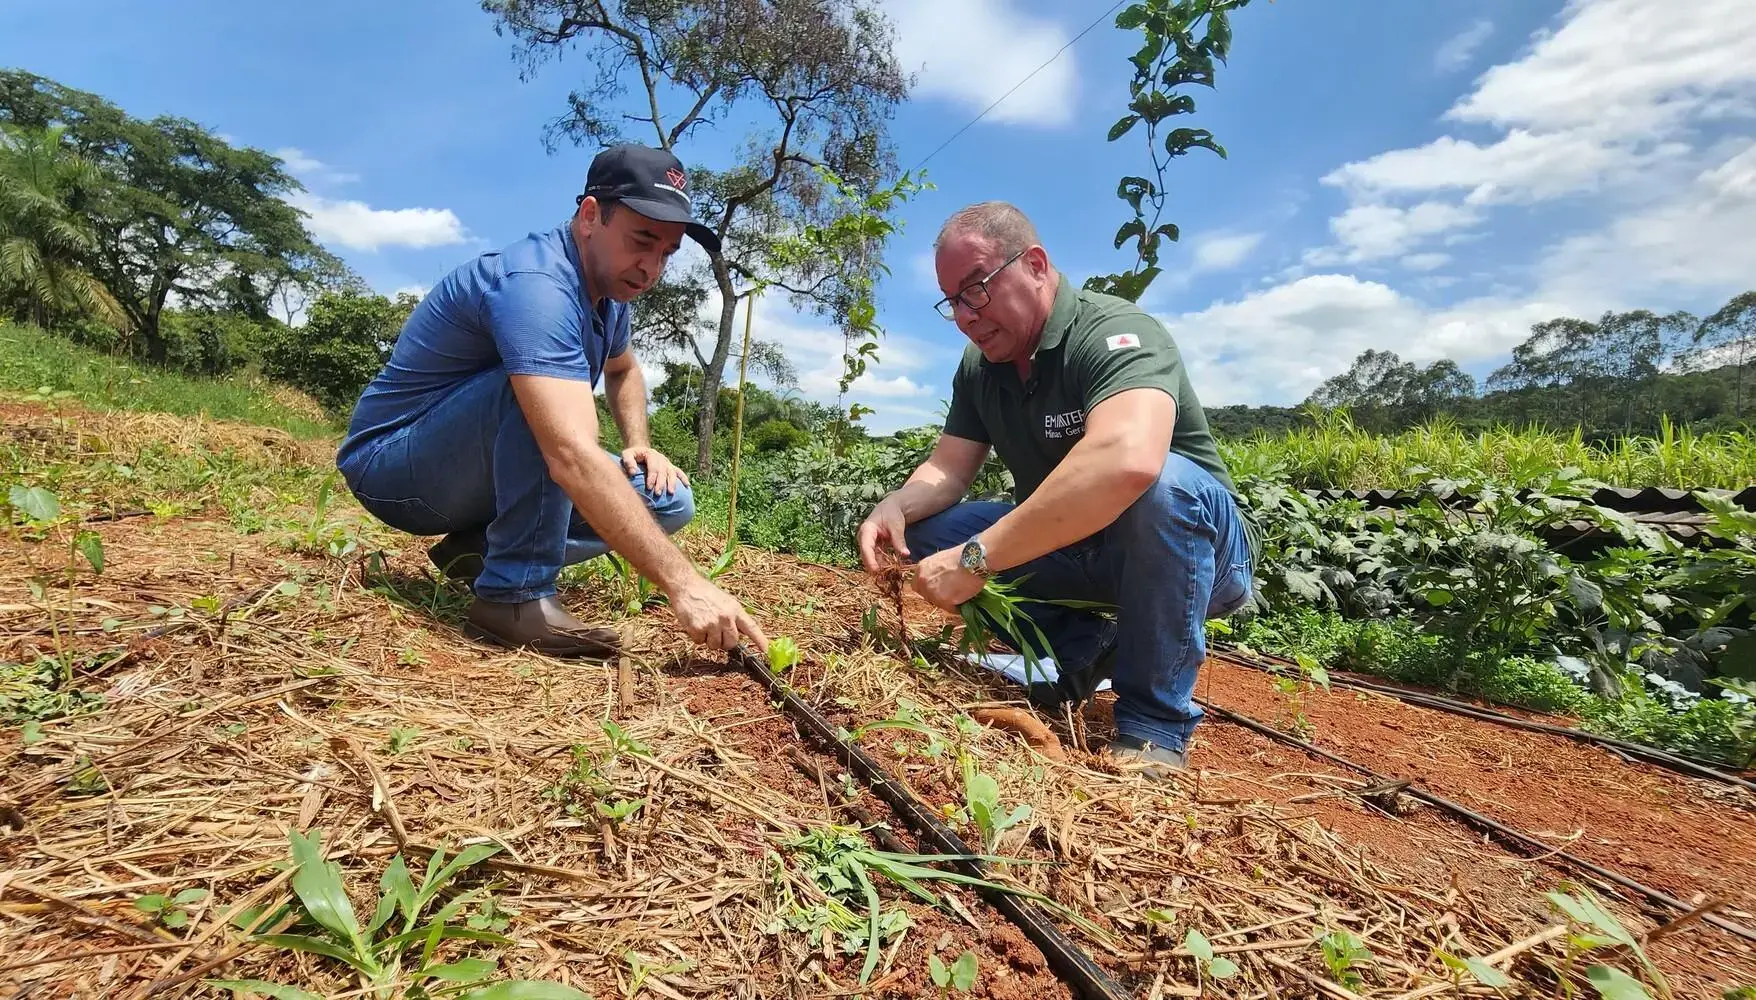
(590,214)
(1038,260)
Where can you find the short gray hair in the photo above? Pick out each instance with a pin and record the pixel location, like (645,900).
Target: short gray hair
(998,222)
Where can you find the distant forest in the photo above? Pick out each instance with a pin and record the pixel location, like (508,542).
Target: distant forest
(1623,374)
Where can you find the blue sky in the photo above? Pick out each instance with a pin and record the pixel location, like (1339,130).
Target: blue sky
(1426,177)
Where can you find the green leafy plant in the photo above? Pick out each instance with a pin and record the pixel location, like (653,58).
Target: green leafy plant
(396,950)
(997,609)
(41,512)
(1344,954)
(960,975)
(1211,965)
(171,911)
(618,810)
(1593,928)
(637,590)
(317,534)
(1477,968)
(1182,42)
(839,864)
(981,796)
(401,737)
(783,655)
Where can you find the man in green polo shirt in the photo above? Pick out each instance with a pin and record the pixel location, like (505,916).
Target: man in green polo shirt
(1123,497)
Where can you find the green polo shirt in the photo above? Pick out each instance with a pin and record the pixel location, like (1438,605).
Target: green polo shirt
(1093,347)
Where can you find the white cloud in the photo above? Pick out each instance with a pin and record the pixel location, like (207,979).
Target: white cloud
(1625,65)
(1373,232)
(1426,261)
(898,386)
(418,291)
(970,52)
(1699,240)
(359,226)
(1224,251)
(1276,345)
(310,169)
(1457,51)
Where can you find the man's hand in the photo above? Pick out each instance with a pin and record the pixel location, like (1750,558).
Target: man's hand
(943,581)
(883,527)
(713,617)
(661,475)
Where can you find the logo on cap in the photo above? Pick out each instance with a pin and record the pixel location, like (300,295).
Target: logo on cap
(678,178)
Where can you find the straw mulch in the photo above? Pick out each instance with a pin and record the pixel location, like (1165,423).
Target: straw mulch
(272,691)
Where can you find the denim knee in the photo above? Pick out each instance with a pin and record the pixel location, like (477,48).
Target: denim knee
(675,510)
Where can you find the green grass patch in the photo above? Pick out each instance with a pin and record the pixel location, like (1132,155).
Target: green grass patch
(51,367)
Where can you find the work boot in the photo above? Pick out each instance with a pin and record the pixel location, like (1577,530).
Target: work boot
(1160,762)
(543,625)
(1076,686)
(459,554)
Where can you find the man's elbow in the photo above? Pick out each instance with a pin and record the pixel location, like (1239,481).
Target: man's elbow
(1138,467)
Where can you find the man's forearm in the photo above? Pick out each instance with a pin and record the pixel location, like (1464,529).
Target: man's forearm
(927,492)
(1082,496)
(601,494)
(626,394)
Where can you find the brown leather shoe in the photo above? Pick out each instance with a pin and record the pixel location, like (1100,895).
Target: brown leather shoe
(543,625)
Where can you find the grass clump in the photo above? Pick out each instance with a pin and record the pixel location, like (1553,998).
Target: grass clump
(52,368)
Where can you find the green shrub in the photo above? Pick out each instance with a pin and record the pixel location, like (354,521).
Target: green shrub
(1711,729)
(773,436)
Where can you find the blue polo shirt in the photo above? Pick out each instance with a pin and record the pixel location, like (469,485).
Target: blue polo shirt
(524,309)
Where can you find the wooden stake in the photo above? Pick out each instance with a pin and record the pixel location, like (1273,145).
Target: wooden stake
(738,425)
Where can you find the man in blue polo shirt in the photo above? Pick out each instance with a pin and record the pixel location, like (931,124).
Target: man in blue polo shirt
(482,426)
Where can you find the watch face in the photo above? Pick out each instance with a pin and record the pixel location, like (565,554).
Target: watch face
(971,558)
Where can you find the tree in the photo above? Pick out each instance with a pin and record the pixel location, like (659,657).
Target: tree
(43,241)
(1613,360)
(1728,337)
(346,339)
(186,214)
(818,82)
(1170,57)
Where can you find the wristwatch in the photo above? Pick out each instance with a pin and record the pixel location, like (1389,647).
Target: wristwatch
(974,558)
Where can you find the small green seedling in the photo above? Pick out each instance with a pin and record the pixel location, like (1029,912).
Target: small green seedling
(783,655)
(1476,968)
(398,945)
(618,810)
(1214,966)
(959,976)
(171,911)
(1344,954)
(981,796)
(401,737)
(723,564)
(621,742)
(1594,928)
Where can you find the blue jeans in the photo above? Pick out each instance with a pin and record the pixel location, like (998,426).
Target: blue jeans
(1175,558)
(471,462)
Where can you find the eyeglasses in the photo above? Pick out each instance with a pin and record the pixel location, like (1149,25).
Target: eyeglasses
(975,294)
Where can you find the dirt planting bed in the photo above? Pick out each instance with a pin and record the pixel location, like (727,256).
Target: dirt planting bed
(248,691)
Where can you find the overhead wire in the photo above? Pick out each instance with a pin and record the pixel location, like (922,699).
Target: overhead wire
(1027,78)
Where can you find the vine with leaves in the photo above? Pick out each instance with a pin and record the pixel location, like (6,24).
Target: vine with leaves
(1184,41)
(861,223)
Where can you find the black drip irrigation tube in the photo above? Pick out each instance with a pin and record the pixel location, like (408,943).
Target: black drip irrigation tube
(1651,755)
(1066,958)
(1491,826)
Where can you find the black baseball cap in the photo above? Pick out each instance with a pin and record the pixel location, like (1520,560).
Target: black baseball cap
(651,182)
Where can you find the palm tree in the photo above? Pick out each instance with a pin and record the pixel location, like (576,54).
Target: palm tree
(42,239)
